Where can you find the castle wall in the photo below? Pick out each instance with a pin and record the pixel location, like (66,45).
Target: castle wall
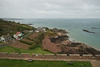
(46,56)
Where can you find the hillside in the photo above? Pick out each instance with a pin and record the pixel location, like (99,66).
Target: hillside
(12,27)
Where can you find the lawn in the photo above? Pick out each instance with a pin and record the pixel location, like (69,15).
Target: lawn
(1,42)
(23,63)
(11,49)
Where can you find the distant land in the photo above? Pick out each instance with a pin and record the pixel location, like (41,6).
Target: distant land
(12,18)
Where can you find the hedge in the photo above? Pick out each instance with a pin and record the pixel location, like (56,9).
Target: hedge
(33,46)
(29,43)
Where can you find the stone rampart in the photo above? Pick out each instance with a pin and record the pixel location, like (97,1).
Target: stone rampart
(47,56)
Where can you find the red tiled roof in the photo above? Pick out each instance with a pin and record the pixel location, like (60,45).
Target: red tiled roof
(17,33)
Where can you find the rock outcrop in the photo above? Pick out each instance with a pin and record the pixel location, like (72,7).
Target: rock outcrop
(88,31)
(59,39)
(62,44)
(59,30)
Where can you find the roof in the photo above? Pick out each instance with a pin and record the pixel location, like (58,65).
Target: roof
(17,33)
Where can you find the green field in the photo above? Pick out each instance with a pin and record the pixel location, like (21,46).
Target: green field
(10,49)
(23,63)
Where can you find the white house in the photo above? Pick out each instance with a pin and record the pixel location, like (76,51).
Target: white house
(17,35)
(41,29)
(2,39)
(31,31)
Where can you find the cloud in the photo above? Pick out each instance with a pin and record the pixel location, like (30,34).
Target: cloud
(50,8)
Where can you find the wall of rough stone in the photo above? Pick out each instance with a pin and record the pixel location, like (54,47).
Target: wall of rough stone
(46,56)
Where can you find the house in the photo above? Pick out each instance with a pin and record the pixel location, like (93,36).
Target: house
(31,31)
(27,31)
(41,29)
(2,39)
(6,38)
(17,35)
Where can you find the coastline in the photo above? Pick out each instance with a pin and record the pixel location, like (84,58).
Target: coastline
(77,27)
(63,44)
(75,40)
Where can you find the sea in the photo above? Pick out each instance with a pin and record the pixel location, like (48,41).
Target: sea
(74,26)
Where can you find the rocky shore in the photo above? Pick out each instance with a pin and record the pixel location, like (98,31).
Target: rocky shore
(61,44)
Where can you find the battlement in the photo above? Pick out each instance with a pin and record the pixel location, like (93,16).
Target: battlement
(46,56)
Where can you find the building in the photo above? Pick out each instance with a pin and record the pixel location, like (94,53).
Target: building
(27,31)
(6,38)
(17,35)
(31,31)
(41,29)
(2,39)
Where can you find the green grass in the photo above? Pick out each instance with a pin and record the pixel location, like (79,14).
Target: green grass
(1,42)
(12,27)
(23,63)
(10,49)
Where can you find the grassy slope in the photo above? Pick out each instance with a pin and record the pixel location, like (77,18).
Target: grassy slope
(22,63)
(37,50)
(12,27)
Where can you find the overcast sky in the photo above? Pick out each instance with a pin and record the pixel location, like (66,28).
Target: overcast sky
(50,8)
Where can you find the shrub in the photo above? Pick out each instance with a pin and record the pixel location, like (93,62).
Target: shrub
(29,43)
(33,46)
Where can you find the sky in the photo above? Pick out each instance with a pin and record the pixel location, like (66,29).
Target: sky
(49,8)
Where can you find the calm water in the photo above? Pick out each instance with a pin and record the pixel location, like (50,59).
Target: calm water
(75,26)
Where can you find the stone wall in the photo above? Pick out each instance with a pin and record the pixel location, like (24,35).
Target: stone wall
(46,56)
